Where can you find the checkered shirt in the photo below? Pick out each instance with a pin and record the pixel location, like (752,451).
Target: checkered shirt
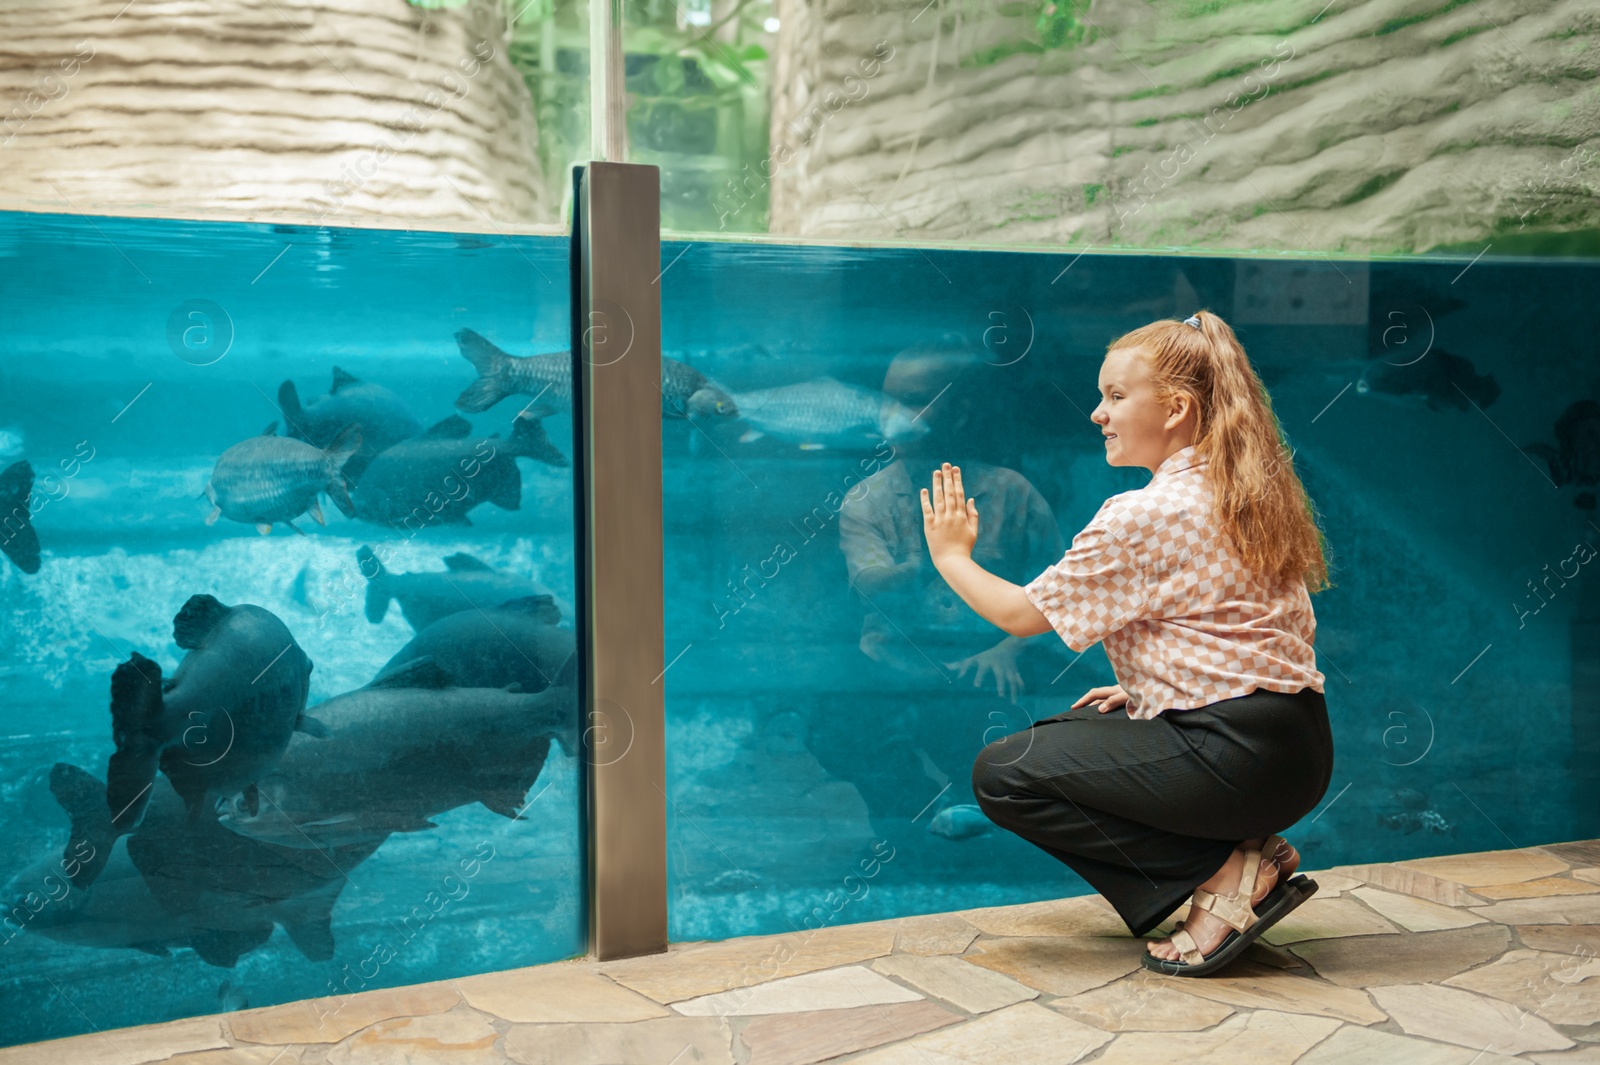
(1185,623)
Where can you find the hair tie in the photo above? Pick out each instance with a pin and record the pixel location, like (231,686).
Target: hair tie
(1193,319)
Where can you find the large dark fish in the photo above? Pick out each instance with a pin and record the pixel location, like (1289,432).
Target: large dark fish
(272,478)
(516,643)
(176,882)
(405,749)
(17,538)
(221,720)
(382,417)
(548,378)
(443,474)
(425,598)
(1576,457)
(824,412)
(1441,380)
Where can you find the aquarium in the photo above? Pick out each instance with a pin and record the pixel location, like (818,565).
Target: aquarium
(822,710)
(288,617)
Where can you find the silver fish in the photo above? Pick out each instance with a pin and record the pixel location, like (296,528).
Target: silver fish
(824,412)
(515,643)
(223,717)
(270,478)
(963,821)
(383,417)
(403,750)
(467,583)
(548,378)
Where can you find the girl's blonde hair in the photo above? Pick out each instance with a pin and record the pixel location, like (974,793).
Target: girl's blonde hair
(1260,501)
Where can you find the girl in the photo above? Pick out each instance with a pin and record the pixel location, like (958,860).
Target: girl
(1199,585)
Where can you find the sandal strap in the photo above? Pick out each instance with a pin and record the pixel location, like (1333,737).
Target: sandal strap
(1234,910)
(1188,949)
(1252,866)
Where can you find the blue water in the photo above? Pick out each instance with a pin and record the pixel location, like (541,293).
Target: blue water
(129,422)
(808,783)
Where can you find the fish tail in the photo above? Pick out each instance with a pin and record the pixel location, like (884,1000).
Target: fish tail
(493,383)
(289,406)
(136,730)
(17,537)
(82,796)
(528,439)
(378,594)
(339,453)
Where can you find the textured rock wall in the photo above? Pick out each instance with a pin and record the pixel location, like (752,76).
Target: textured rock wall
(331,110)
(1367,128)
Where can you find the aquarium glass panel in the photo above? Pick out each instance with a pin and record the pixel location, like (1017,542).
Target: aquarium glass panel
(281,721)
(827,693)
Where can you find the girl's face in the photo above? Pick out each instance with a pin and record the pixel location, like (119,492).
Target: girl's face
(1138,431)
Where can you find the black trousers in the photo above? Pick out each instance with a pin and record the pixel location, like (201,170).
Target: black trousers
(1148,810)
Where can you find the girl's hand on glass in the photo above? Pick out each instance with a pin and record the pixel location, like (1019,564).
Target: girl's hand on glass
(949,518)
(1108,698)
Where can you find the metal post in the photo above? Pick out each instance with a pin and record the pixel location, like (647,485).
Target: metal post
(608,105)
(617,425)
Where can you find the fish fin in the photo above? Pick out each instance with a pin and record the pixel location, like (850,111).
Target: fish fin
(377,587)
(750,434)
(83,797)
(421,672)
(454,427)
(542,607)
(195,620)
(346,444)
(417,826)
(224,947)
(135,728)
(315,510)
(341,379)
(21,542)
(270,430)
(491,363)
(529,441)
(812,447)
(264,528)
(312,727)
(308,921)
(152,948)
(293,413)
(507,492)
(461,562)
(291,525)
(505,801)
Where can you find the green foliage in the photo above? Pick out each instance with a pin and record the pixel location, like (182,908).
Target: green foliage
(1401,23)
(1090,193)
(1059,23)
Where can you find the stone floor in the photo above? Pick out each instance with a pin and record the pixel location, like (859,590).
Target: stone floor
(1470,959)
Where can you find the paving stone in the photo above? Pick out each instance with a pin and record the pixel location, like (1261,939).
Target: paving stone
(556,993)
(1528,889)
(460,1037)
(123,1046)
(842,988)
(1414,914)
(1142,1005)
(1578,852)
(255,1055)
(1588,876)
(1024,1034)
(1059,965)
(1326,918)
(1413,882)
(938,933)
(1246,985)
(1490,867)
(1561,988)
(328,1020)
(691,970)
(1262,1038)
(679,1040)
(1455,1016)
(1352,1045)
(1424,957)
(802,1038)
(1331,884)
(1560,909)
(1562,938)
(1087,915)
(966,987)
(1576,1056)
